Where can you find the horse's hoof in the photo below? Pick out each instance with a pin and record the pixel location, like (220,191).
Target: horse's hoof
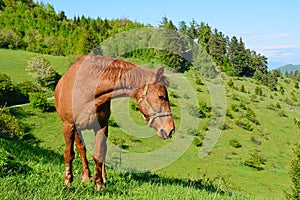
(85,178)
(68,183)
(100,187)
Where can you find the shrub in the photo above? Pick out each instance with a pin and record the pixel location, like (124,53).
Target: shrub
(243,89)
(9,165)
(294,173)
(134,105)
(234,107)
(11,94)
(198,81)
(42,71)
(258,91)
(235,143)
(224,127)
(38,100)
(244,124)
(296,85)
(197,141)
(255,141)
(230,83)
(9,39)
(251,116)
(256,161)
(112,122)
(282,113)
(196,111)
(9,125)
(27,87)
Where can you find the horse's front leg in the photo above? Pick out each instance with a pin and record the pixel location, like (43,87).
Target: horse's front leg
(99,156)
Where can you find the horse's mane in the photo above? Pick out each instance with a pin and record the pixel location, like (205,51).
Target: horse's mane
(124,73)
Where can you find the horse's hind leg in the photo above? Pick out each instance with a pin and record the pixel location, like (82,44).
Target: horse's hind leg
(103,173)
(99,156)
(68,131)
(82,151)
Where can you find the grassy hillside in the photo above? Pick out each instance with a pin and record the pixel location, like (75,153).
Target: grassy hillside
(13,63)
(262,123)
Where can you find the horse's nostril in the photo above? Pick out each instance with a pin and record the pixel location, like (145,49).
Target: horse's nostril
(171,133)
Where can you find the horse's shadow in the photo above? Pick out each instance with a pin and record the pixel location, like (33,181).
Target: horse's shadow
(210,185)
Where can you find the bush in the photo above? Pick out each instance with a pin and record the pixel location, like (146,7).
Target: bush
(230,83)
(134,105)
(10,94)
(244,124)
(38,100)
(198,81)
(251,116)
(9,165)
(197,141)
(9,125)
(256,161)
(27,87)
(258,91)
(196,111)
(294,173)
(42,71)
(235,143)
(243,89)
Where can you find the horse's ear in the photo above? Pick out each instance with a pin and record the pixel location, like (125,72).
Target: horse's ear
(159,72)
(159,76)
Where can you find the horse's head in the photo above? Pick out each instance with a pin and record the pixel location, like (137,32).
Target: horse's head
(153,103)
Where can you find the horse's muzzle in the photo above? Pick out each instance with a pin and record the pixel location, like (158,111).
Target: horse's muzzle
(166,134)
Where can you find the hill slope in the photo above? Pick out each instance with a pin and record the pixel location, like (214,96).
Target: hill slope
(289,68)
(261,122)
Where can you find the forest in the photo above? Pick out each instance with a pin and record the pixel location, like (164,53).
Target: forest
(36,27)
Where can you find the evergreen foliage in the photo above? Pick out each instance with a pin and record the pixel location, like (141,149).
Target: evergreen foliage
(38,100)
(295,175)
(36,27)
(9,125)
(10,93)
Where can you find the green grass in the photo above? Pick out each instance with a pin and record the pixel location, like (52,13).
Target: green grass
(222,170)
(13,63)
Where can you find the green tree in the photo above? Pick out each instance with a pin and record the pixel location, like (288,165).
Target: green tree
(167,24)
(9,39)
(239,57)
(204,33)
(87,42)
(42,71)
(192,30)
(294,173)
(182,27)
(217,47)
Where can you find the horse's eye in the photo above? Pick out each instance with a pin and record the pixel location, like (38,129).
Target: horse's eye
(163,98)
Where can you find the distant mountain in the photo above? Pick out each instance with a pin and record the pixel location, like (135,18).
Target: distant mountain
(289,68)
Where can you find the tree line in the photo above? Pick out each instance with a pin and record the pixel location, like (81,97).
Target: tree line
(36,27)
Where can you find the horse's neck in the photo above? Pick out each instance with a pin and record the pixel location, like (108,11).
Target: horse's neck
(127,86)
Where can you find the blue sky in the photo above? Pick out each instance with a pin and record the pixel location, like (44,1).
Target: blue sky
(270,27)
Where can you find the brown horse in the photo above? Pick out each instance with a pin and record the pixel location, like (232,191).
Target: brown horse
(82,100)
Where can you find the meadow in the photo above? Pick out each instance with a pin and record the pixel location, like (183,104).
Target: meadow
(262,123)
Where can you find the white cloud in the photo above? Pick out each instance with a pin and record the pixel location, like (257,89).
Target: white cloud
(281,47)
(264,35)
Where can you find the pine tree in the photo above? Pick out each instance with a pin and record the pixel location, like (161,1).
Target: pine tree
(295,174)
